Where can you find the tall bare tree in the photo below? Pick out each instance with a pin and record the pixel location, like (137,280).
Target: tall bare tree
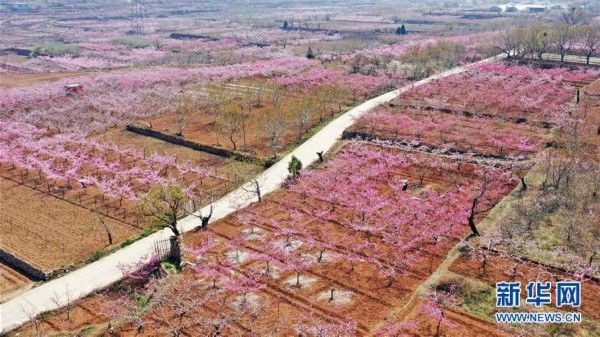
(590,39)
(563,39)
(230,121)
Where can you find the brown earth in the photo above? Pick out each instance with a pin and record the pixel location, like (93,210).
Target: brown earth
(8,80)
(253,139)
(48,232)
(54,224)
(11,282)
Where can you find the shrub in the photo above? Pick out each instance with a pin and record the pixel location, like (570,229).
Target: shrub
(310,54)
(294,167)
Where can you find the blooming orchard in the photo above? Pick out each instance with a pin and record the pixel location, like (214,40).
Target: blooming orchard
(505,91)
(66,159)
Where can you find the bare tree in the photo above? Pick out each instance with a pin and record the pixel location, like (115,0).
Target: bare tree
(193,207)
(556,170)
(510,43)
(254,188)
(304,110)
(230,121)
(213,101)
(590,38)
(476,203)
(275,123)
(185,108)
(563,38)
(65,302)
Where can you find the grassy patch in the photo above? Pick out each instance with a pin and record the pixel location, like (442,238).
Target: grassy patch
(97,256)
(146,232)
(86,331)
(170,267)
(479,299)
(55,49)
(475,297)
(132,42)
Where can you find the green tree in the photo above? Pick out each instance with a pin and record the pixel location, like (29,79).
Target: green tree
(164,205)
(401,30)
(294,167)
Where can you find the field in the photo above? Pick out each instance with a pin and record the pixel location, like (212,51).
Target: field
(358,257)
(483,112)
(340,260)
(92,188)
(301,246)
(52,232)
(263,117)
(11,281)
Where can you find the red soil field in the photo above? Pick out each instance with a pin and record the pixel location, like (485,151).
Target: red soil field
(200,128)
(485,136)
(371,299)
(536,100)
(56,233)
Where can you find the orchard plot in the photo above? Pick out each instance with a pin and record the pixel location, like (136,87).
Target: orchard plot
(491,110)
(265,116)
(343,259)
(92,186)
(115,99)
(416,126)
(519,93)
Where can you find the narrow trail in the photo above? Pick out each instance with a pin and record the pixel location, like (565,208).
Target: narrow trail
(403,313)
(77,284)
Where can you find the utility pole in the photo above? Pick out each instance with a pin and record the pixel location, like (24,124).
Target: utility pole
(136,17)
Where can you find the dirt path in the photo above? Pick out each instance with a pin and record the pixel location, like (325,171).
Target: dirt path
(405,311)
(100,274)
(22,80)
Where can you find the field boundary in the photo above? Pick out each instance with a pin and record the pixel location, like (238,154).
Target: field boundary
(526,259)
(474,157)
(214,150)
(470,114)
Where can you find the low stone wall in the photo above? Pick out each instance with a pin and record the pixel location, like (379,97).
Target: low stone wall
(22,266)
(184,36)
(358,135)
(217,151)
